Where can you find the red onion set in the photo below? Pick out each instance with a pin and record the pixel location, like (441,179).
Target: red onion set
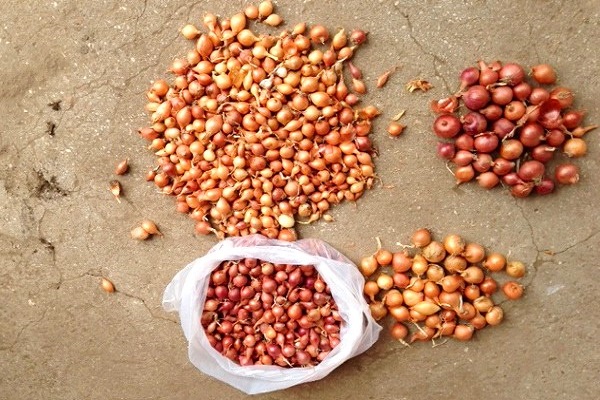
(260,313)
(443,289)
(502,127)
(258,132)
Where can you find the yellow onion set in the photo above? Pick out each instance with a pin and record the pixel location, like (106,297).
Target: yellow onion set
(442,289)
(258,132)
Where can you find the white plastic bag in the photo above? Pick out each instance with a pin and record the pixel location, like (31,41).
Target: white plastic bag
(187,291)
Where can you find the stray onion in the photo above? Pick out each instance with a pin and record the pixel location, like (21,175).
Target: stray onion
(107,285)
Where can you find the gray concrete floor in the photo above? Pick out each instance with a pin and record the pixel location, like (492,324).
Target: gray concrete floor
(61,337)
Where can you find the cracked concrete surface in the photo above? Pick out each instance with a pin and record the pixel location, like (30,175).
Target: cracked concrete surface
(61,337)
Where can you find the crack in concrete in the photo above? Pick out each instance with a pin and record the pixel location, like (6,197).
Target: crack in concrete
(98,274)
(140,299)
(539,258)
(591,235)
(22,330)
(437,61)
(537,262)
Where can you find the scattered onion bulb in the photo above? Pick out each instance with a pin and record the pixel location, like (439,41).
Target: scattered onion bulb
(150,227)
(544,74)
(474,252)
(265,8)
(319,34)
(421,237)
(190,32)
(434,252)
(371,289)
(575,147)
(384,257)
(495,262)
(251,12)
(515,269)
(567,174)
(273,20)
(107,285)
(139,233)
(385,282)
(122,167)
(395,128)
(454,244)
(463,332)
(512,290)
(368,265)
(399,331)
(494,316)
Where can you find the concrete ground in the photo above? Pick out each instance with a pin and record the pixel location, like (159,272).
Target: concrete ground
(61,337)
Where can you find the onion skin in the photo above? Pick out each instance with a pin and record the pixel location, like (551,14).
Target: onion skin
(531,134)
(463,158)
(542,153)
(531,171)
(488,180)
(486,142)
(469,76)
(107,285)
(502,166)
(474,123)
(572,119)
(476,97)
(546,186)
(511,73)
(543,74)
(446,126)
(512,290)
(567,174)
(522,190)
(446,150)
(563,95)
(483,163)
(464,142)
(575,147)
(464,174)
(511,149)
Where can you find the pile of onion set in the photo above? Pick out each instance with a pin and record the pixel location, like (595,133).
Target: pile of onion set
(258,132)
(259,313)
(502,127)
(445,289)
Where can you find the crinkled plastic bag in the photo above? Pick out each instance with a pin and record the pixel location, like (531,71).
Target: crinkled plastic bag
(187,291)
